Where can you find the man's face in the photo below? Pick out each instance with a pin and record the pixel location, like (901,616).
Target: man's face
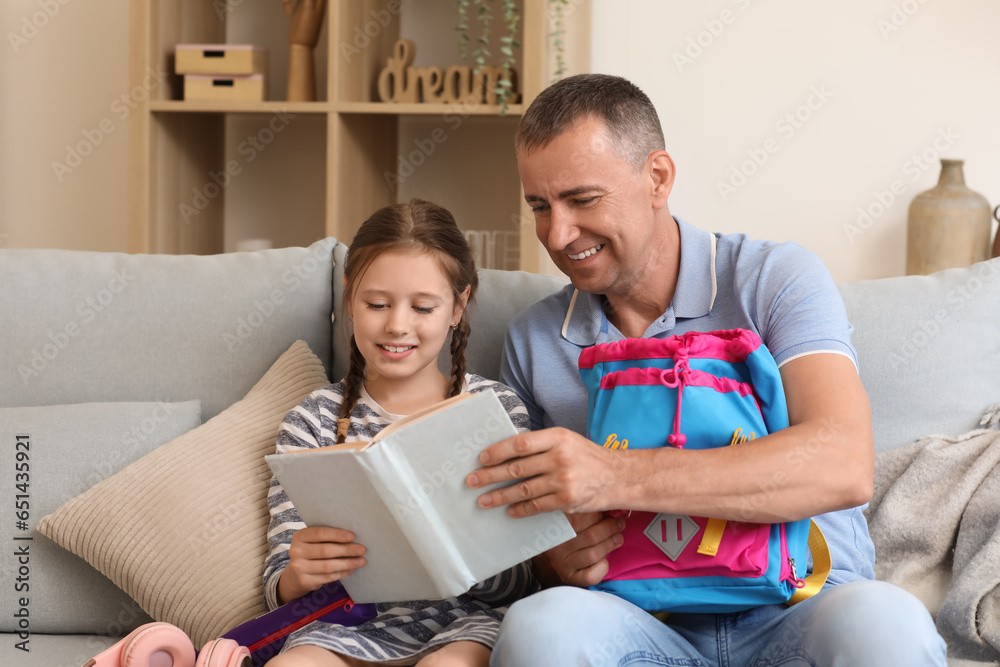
(594,212)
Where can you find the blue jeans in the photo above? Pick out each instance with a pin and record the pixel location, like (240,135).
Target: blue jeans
(858,624)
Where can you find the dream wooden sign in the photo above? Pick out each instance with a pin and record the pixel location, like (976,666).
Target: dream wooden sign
(400,82)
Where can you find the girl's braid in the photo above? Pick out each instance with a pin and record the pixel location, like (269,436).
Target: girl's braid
(459,339)
(352,390)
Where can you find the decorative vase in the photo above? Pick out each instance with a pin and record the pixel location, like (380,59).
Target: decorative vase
(948,225)
(996,239)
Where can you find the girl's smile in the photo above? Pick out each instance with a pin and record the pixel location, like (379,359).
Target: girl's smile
(397,351)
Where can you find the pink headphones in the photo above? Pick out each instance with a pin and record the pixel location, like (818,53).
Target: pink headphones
(166,645)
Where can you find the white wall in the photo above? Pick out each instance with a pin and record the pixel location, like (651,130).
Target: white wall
(63,70)
(887,92)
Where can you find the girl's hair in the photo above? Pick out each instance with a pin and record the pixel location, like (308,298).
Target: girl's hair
(416,225)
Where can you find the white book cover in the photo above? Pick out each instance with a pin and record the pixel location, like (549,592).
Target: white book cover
(404,497)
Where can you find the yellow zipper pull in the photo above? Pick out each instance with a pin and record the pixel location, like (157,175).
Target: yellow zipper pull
(713,536)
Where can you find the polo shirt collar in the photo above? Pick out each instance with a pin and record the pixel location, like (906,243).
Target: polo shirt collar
(586,324)
(696,281)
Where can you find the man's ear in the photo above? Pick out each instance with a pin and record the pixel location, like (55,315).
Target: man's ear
(460,304)
(661,174)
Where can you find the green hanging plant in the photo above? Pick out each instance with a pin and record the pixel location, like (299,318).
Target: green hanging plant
(484,14)
(463,29)
(556,36)
(505,86)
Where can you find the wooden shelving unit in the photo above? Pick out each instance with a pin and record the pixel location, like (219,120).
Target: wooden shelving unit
(213,106)
(177,146)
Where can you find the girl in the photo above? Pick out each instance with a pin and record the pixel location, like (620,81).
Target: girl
(408,279)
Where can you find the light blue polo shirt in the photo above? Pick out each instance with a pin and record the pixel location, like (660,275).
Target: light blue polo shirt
(780,291)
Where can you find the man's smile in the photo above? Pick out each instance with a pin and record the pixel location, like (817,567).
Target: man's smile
(586,253)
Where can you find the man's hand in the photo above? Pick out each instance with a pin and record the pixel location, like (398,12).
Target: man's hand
(318,555)
(558,469)
(582,561)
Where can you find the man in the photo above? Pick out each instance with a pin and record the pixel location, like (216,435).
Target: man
(592,162)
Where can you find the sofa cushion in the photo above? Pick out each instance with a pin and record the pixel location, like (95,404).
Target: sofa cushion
(929,350)
(341,330)
(92,326)
(183,530)
(55,453)
(501,296)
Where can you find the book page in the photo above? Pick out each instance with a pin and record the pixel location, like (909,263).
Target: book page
(459,542)
(394,426)
(330,488)
(356,445)
(419,414)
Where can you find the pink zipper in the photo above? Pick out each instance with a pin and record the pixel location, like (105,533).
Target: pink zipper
(788,572)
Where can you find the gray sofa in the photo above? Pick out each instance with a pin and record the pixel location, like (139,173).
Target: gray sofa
(165,343)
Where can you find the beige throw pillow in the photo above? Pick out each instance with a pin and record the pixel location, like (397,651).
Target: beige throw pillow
(183,529)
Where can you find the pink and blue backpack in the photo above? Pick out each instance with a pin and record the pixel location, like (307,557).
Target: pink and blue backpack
(697,391)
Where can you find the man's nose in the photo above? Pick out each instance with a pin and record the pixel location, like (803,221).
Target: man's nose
(562,228)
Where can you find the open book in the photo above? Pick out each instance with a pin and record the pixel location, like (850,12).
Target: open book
(404,497)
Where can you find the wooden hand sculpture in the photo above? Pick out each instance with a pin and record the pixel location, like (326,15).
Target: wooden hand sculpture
(307,20)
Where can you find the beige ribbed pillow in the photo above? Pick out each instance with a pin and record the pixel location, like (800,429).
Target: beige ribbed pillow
(183,530)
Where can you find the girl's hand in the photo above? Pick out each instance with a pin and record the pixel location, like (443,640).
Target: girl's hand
(318,555)
(582,561)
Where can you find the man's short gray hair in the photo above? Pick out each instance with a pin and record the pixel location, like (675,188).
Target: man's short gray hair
(630,118)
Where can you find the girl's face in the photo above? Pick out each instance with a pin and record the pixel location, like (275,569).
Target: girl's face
(402,308)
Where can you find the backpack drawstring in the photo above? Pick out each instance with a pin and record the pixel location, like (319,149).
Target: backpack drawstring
(680,375)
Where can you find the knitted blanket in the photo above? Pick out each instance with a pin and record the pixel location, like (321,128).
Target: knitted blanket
(935,520)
